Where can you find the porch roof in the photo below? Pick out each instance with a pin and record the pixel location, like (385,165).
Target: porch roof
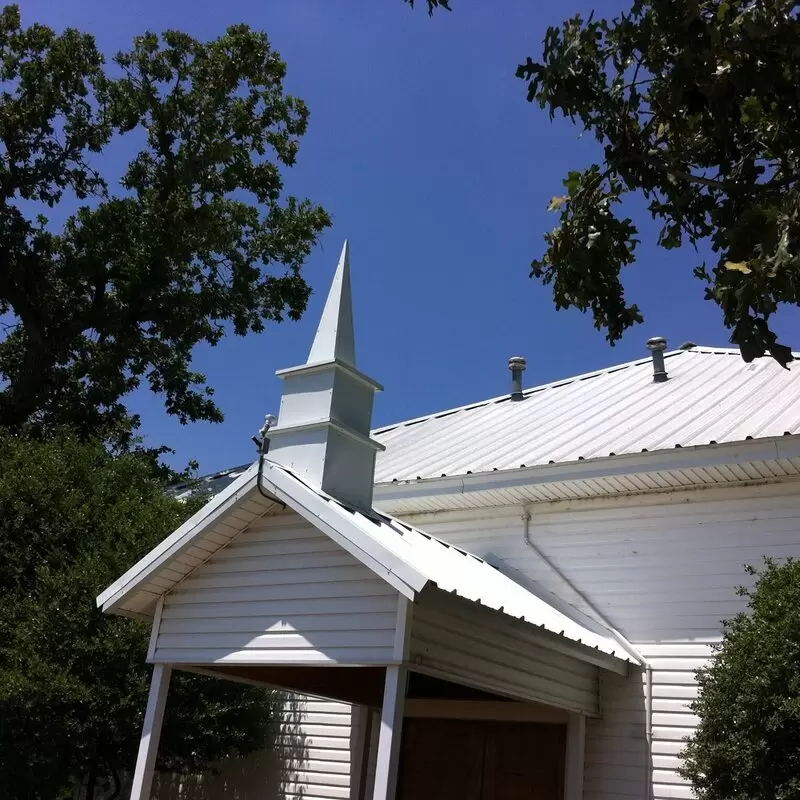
(408,559)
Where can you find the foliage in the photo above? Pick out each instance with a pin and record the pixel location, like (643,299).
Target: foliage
(433,5)
(73,682)
(192,240)
(747,744)
(695,103)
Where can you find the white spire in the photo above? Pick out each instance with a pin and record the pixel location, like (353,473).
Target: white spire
(335,340)
(323,431)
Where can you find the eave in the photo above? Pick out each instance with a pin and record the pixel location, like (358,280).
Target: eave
(764,459)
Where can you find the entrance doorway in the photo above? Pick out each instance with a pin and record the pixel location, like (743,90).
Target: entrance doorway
(444,759)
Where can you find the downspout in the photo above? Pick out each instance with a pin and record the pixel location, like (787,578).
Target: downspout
(623,643)
(648,731)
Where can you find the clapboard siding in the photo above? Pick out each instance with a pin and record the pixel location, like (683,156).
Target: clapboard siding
(310,758)
(458,647)
(616,744)
(317,742)
(281,592)
(663,570)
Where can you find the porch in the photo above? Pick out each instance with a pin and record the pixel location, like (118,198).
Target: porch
(468,700)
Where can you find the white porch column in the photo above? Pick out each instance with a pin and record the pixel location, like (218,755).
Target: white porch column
(359,747)
(151,733)
(394,698)
(576,748)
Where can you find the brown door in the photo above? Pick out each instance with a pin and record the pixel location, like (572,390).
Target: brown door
(477,760)
(524,761)
(441,758)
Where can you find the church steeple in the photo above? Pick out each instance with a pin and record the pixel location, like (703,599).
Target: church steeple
(335,338)
(325,417)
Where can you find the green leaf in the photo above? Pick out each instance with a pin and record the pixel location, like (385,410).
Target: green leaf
(73,681)
(199,240)
(695,110)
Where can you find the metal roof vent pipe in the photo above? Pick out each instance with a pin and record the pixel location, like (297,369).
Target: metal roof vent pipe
(517,366)
(657,345)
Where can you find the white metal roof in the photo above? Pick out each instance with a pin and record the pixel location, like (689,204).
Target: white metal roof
(712,397)
(410,560)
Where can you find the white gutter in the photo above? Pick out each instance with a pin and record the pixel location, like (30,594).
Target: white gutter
(678,458)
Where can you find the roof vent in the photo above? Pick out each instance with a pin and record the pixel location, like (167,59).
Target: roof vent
(687,345)
(657,345)
(517,366)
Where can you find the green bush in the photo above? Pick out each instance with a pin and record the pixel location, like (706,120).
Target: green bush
(747,744)
(73,682)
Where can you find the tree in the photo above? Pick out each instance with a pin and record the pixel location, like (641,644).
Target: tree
(73,681)
(747,743)
(193,240)
(695,105)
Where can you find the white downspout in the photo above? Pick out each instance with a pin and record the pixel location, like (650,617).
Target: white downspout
(623,643)
(648,731)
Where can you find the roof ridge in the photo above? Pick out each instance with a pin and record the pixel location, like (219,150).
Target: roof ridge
(526,392)
(696,349)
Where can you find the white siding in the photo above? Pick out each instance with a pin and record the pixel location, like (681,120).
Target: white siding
(316,747)
(310,759)
(616,745)
(463,645)
(663,570)
(280,593)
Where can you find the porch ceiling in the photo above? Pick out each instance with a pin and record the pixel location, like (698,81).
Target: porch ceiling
(360,685)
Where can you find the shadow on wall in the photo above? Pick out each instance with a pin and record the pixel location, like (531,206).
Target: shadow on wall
(267,774)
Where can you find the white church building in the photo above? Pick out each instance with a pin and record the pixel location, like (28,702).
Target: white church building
(503,600)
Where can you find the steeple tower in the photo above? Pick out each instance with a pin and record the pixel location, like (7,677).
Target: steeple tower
(325,417)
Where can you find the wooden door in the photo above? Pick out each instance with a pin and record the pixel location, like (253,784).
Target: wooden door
(441,758)
(524,761)
(478,760)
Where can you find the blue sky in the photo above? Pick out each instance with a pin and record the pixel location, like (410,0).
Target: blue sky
(423,149)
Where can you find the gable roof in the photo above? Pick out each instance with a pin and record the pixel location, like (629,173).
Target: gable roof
(712,397)
(408,559)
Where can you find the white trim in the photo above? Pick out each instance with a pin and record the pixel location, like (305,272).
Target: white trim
(402,641)
(361,720)
(313,507)
(575,757)
(326,422)
(177,541)
(778,486)
(396,572)
(151,733)
(151,647)
(494,710)
(679,458)
(321,366)
(394,694)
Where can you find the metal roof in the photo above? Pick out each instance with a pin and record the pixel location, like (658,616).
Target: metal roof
(712,397)
(407,558)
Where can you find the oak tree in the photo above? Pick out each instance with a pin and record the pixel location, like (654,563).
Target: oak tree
(694,104)
(73,681)
(110,275)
